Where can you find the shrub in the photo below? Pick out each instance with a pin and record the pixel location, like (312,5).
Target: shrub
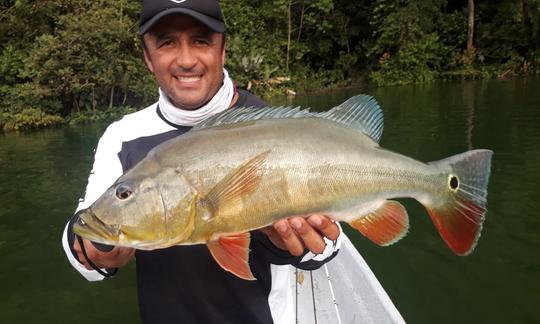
(106,116)
(29,118)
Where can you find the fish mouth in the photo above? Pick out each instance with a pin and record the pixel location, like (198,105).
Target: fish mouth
(89,226)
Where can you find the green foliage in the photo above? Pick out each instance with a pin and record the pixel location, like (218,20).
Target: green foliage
(81,59)
(406,43)
(11,64)
(92,57)
(252,54)
(106,116)
(21,96)
(29,118)
(418,62)
(270,52)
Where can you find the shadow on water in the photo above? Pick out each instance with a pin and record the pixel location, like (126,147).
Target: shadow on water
(42,174)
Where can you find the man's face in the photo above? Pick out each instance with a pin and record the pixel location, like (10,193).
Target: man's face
(186,58)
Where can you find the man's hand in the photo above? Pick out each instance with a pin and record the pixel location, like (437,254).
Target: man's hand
(298,233)
(116,258)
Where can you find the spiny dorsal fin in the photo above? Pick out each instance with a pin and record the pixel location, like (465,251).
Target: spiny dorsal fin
(359,112)
(240,114)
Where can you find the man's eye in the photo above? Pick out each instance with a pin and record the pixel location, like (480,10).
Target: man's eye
(202,42)
(164,43)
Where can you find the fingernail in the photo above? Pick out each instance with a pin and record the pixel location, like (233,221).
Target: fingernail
(315,220)
(296,223)
(281,227)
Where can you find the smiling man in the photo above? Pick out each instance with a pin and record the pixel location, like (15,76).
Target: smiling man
(184,48)
(187,60)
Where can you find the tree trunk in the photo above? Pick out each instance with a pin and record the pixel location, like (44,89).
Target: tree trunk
(302,13)
(112,98)
(528,23)
(289,36)
(121,12)
(125,96)
(93,99)
(470,32)
(76,103)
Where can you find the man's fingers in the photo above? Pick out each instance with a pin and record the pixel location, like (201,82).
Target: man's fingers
(325,226)
(117,257)
(289,237)
(93,253)
(311,238)
(274,237)
(298,233)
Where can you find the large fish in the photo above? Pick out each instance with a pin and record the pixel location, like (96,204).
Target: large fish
(246,168)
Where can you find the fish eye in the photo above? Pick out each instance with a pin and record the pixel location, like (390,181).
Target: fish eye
(123,191)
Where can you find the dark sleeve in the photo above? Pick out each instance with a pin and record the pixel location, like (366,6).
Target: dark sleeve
(247,99)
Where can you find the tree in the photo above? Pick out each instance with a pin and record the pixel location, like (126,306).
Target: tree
(470,25)
(405,44)
(92,58)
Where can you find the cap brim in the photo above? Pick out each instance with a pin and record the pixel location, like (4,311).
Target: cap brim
(214,24)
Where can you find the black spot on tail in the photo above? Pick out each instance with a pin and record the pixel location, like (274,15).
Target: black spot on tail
(454,182)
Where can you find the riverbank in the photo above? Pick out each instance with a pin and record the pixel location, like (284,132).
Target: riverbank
(33,118)
(62,62)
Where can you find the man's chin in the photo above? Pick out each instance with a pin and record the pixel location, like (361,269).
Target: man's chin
(187,103)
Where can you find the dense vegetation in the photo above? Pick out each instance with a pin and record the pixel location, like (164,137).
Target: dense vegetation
(80,60)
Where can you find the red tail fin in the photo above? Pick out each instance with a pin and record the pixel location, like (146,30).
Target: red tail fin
(459,225)
(460,214)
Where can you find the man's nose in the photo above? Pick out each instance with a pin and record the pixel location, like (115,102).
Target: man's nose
(186,57)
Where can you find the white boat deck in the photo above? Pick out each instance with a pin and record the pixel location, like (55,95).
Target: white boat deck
(344,291)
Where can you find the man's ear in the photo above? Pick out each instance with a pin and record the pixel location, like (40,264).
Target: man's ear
(147,59)
(223,55)
(223,48)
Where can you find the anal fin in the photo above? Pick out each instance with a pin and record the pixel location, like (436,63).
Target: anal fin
(232,254)
(384,226)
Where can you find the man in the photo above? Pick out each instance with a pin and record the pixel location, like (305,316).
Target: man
(184,47)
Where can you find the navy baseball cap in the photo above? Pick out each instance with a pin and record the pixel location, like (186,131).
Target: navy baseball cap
(206,11)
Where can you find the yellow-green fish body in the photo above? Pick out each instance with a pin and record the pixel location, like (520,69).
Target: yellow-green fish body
(246,169)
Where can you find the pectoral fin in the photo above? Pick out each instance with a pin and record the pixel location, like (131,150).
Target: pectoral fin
(241,182)
(232,254)
(384,226)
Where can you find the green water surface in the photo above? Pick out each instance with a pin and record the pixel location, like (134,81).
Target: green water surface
(43,173)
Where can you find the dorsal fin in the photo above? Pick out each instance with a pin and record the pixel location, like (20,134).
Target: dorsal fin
(240,114)
(359,112)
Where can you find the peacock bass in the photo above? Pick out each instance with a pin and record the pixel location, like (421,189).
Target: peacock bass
(245,168)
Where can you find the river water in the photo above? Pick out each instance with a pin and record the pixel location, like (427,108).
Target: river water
(43,173)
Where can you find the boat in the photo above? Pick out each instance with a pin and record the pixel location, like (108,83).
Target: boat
(343,291)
